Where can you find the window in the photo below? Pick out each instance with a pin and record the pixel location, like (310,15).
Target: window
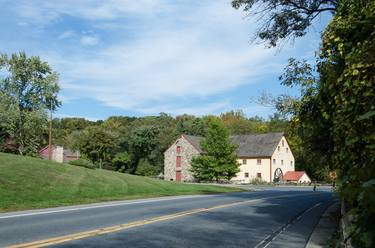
(278,148)
(259,175)
(246,174)
(282,162)
(178,161)
(244,161)
(291,163)
(287,149)
(274,161)
(282,143)
(259,161)
(178,149)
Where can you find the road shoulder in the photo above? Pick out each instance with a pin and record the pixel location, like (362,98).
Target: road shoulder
(325,228)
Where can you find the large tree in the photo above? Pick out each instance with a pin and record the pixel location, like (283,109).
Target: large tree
(30,81)
(29,87)
(283,19)
(218,160)
(95,142)
(335,114)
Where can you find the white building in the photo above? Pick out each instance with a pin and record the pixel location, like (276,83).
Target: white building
(296,177)
(264,156)
(59,154)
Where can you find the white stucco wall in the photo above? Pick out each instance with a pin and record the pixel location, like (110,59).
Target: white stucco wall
(282,155)
(304,179)
(58,154)
(253,168)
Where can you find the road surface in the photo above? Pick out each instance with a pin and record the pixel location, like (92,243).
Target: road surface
(266,218)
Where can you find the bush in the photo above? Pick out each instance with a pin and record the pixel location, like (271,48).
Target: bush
(144,168)
(257,180)
(83,163)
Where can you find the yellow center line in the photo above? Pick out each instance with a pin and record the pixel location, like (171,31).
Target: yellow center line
(116,228)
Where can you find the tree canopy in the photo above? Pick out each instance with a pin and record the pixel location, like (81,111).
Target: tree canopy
(282,19)
(29,87)
(334,116)
(218,160)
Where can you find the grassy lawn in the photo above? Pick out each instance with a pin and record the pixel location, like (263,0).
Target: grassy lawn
(27,183)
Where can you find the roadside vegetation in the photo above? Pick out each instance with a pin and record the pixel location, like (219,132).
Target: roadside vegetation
(334,115)
(27,183)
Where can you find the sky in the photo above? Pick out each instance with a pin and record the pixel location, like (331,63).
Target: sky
(144,57)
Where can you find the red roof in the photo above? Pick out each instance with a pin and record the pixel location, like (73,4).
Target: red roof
(293,175)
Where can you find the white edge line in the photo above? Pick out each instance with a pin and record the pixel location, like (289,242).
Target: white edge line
(100,206)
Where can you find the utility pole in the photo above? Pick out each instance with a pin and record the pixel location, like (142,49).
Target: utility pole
(50,133)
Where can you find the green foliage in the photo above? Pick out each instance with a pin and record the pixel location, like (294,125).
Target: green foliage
(191,125)
(334,116)
(284,19)
(64,127)
(347,86)
(202,168)
(83,163)
(24,128)
(257,181)
(237,123)
(28,88)
(128,140)
(30,81)
(218,160)
(144,168)
(96,142)
(122,162)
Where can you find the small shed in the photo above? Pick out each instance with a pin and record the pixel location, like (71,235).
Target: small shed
(296,177)
(59,154)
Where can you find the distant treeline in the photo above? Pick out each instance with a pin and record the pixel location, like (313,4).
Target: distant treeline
(136,144)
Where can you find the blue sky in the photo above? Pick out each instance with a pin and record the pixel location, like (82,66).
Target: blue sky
(126,57)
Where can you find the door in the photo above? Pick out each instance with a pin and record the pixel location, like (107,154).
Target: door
(178,176)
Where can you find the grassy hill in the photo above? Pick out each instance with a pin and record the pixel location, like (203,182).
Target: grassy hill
(27,183)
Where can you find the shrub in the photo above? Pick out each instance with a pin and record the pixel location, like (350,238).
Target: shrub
(144,168)
(257,180)
(83,163)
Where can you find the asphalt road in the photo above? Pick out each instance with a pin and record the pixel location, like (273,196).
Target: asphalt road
(265,218)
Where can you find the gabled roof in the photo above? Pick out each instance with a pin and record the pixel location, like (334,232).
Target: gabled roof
(194,141)
(293,175)
(251,145)
(256,145)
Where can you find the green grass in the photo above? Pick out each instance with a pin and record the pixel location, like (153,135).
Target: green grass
(27,183)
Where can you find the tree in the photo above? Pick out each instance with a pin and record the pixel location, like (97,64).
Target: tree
(335,114)
(236,122)
(34,125)
(285,19)
(218,160)
(29,88)
(189,124)
(122,162)
(31,82)
(96,142)
(144,168)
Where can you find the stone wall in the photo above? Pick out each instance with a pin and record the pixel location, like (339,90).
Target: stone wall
(187,153)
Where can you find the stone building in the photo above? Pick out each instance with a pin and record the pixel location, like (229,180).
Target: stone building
(266,157)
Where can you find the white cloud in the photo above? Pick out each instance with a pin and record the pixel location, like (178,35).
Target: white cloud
(66,34)
(42,12)
(187,55)
(89,40)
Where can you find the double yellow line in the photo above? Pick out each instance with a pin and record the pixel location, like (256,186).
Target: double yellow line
(116,228)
